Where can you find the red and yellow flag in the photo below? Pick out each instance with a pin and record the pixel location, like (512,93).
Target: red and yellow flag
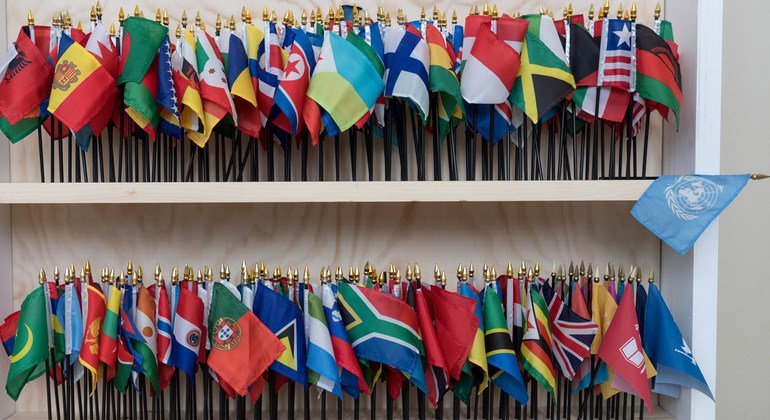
(89,351)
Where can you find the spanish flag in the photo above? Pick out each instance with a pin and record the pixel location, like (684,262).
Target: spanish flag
(81,85)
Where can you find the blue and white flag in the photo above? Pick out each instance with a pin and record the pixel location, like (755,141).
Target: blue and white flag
(677,209)
(668,351)
(322,366)
(406,67)
(68,312)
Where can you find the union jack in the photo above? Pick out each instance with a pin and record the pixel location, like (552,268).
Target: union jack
(572,334)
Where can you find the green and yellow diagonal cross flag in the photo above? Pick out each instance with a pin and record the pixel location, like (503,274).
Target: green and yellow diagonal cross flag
(30,347)
(543,79)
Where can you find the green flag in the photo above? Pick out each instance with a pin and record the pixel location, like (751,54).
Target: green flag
(30,347)
(20,130)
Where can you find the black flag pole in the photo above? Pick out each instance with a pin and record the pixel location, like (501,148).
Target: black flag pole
(304,157)
(337,157)
(436,141)
(369,143)
(61,151)
(353,145)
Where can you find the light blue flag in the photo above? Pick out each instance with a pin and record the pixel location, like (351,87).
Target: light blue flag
(668,351)
(678,209)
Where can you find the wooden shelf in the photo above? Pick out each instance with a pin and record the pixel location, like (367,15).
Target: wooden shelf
(322,192)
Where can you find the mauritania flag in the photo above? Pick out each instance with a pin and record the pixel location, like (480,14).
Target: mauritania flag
(344,83)
(285,320)
(383,329)
(503,367)
(144,318)
(30,348)
(407,59)
(188,326)
(321,363)
(536,343)
(108,340)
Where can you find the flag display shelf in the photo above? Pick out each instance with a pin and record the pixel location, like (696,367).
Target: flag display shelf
(322,223)
(324,192)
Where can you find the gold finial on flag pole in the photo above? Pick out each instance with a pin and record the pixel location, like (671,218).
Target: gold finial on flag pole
(606,8)
(620,11)
(633,11)
(121,16)
(454,17)
(98,10)
(92,14)
(266,14)
(651,279)
(759,177)
(137,11)
(158,15)
(656,14)
(485,11)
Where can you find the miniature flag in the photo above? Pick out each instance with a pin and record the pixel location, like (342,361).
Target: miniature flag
(352,377)
(29,350)
(69,314)
(321,363)
(8,332)
(617,55)
(406,66)
(167,99)
(163,319)
(490,69)
(241,346)
(27,78)
(242,87)
(108,340)
(456,326)
(677,209)
(89,352)
(658,77)
(185,70)
(187,332)
(293,82)
(436,376)
(536,342)
(147,347)
(443,79)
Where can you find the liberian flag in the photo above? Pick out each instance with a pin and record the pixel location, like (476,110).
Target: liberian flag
(407,59)
(188,326)
(293,82)
(617,55)
(490,69)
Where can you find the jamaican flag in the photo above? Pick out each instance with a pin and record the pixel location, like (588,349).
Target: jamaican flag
(543,79)
(503,367)
(658,75)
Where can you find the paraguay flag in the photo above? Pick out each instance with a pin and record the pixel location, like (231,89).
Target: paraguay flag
(352,377)
(293,82)
(187,332)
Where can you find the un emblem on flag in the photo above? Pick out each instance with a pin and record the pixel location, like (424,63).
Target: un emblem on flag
(66,74)
(691,195)
(227,334)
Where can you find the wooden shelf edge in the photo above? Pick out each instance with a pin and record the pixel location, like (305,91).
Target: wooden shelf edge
(322,192)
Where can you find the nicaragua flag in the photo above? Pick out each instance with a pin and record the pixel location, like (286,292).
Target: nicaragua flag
(293,82)
(188,325)
(677,209)
(322,366)
(668,351)
(407,59)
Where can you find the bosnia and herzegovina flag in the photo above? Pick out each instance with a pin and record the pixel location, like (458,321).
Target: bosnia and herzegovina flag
(81,85)
(242,87)
(344,82)
(284,319)
(293,82)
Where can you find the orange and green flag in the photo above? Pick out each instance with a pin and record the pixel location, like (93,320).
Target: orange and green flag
(89,351)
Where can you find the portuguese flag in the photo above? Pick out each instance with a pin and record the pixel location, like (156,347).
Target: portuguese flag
(443,79)
(30,348)
(139,70)
(659,77)
(242,347)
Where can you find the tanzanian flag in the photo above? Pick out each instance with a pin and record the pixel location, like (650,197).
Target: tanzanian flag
(544,79)
(443,80)
(383,329)
(503,367)
(142,39)
(344,82)
(30,347)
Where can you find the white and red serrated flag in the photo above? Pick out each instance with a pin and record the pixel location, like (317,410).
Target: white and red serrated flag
(490,69)
(617,54)
(622,350)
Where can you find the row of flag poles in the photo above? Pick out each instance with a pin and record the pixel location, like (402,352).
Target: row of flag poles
(572,95)
(120,349)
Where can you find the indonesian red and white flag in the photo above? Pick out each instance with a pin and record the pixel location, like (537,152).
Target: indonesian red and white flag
(490,69)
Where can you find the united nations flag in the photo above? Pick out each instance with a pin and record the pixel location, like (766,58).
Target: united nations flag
(679,208)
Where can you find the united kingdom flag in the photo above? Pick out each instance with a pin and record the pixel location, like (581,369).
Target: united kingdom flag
(617,57)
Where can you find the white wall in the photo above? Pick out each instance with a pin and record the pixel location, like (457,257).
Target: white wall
(744,287)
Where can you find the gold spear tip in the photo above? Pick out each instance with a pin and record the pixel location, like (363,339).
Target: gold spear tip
(485,269)
(759,177)
(273,16)
(443,279)
(157,272)
(606,8)
(166,18)
(243,14)
(121,14)
(553,269)
(312,17)
(560,272)
(591,12)
(92,15)
(286,18)
(80,26)
(277,272)
(471,270)
(289,276)
(266,13)
(582,269)
(495,12)
(537,268)
(67,275)
(381,279)
(607,271)
(112,29)
(459,270)
(137,11)
(112,276)
(340,14)
(218,23)
(651,279)
(597,275)
(485,11)
(98,9)
(303,17)
(454,17)
(357,274)
(184,18)
(409,273)
(139,273)
(571,269)
(130,268)
(509,269)
(530,275)
(417,272)
(590,270)
(422,14)
(569,9)
(248,16)
(620,11)
(621,272)
(158,15)
(56,273)
(174,274)
(565,13)
(88,267)
(338,273)
(198,20)
(306,275)
(631,274)
(639,275)
(612,272)
(387,19)
(222,271)
(633,11)
(199,277)
(656,15)
(435,12)
(351,273)
(398,276)
(41,276)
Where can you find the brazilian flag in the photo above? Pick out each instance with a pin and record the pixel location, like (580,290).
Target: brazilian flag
(30,347)
(543,80)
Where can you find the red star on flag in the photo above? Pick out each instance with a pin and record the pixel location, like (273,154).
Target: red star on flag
(291,67)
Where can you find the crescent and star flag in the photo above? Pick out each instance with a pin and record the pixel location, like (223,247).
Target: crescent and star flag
(214,90)
(436,376)
(242,86)
(677,209)
(343,82)
(490,68)
(285,320)
(622,350)
(142,39)
(89,351)
(81,85)
(503,366)
(184,67)
(8,332)
(456,326)
(406,60)
(108,340)
(668,351)
(617,55)
(164,330)
(242,347)
(536,342)
(187,332)
(571,333)
(30,349)
(321,362)
(167,99)
(293,82)
(658,75)
(27,78)
(383,329)
(351,376)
